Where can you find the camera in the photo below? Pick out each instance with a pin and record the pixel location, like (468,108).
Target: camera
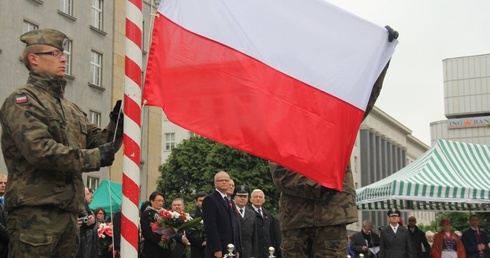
(84,219)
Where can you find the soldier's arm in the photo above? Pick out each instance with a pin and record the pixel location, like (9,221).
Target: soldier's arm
(28,123)
(292,183)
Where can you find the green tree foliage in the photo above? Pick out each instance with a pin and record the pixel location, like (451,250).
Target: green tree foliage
(193,163)
(459,221)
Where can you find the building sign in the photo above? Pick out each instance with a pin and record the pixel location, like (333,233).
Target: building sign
(468,122)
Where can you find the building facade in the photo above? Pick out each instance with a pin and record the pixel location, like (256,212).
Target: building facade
(466,101)
(95,67)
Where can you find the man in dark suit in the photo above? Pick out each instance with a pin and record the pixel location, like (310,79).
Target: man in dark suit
(395,240)
(197,236)
(362,241)
(220,221)
(418,239)
(264,224)
(248,223)
(475,240)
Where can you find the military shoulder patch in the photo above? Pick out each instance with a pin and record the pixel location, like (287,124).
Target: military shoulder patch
(20,99)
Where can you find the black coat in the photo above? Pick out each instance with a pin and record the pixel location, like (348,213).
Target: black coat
(151,247)
(470,241)
(418,239)
(4,234)
(266,236)
(89,237)
(248,228)
(358,241)
(196,238)
(395,245)
(220,223)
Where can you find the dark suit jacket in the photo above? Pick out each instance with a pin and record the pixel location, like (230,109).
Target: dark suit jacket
(418,239)
(220,223)
(470,242)
(248,228)
(358,241)
(265,232)
(395,245)
(196,238)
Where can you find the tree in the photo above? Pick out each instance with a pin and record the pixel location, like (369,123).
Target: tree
(193,163)
(459,221)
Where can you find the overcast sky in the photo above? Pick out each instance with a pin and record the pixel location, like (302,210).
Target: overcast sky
(430,31)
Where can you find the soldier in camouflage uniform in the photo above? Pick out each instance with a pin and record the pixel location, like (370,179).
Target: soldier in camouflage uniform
(313,218)
(47,143)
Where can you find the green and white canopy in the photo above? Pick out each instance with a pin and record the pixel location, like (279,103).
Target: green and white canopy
(451,176)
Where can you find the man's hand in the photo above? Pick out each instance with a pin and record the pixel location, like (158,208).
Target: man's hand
(117,112)
(91,220)
(218,254)
(392,34)
(106,154)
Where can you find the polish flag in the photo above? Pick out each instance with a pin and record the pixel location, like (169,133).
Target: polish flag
(285,80)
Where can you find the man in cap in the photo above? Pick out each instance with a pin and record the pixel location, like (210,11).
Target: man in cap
(247,222)
(47,143)
(395,240)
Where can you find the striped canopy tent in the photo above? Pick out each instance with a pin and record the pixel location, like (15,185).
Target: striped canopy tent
(451,176)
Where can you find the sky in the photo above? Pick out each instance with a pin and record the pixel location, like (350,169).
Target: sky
(430,31)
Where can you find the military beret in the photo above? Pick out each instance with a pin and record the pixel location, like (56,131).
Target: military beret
(394,212)
(241,190)
(45,37)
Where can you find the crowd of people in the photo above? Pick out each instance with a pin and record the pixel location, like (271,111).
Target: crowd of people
(399,240)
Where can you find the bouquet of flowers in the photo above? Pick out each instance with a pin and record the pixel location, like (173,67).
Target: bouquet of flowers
(170,222)
(105,235)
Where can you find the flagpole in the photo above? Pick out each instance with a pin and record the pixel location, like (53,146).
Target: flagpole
(132,129)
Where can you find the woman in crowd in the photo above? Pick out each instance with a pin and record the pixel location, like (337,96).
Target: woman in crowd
(105,241)
(152,246)
(447,244)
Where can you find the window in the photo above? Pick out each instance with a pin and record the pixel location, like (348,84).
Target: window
(169,141)
(94,117)
(97,14)
(28,26)
(96,69)
(68,57)
(66,6)
(92,182)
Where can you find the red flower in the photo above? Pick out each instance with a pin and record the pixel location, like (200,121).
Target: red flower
(266,217)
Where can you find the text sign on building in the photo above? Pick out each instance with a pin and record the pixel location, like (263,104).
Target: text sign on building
(468,122)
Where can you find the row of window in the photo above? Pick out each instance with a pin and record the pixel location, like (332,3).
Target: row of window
(170,140)
(66,6)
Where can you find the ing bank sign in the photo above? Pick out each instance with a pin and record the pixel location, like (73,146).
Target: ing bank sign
(469,122)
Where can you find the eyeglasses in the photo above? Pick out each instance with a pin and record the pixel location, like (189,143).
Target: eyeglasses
(412,220)
(101,213)
(223,180)
(56,54)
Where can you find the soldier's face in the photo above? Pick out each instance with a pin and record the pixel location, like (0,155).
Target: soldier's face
(49,63)
(241,200)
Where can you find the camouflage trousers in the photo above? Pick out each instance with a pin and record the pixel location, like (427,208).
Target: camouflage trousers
(42,232)
(315,242)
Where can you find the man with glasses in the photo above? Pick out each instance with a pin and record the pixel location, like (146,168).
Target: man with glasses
(47,143)
(418,239)
(365,242)
(220,221)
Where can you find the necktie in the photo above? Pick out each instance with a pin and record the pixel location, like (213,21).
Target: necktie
(2,200)
(260,212)
(227,202)
(241,211)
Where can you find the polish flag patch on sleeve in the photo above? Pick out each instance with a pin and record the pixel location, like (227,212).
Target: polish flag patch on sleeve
(19,99)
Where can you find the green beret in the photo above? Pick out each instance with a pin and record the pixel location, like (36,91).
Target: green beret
(45,37)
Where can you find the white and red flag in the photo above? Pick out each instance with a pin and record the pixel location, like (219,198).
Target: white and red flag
(285,80)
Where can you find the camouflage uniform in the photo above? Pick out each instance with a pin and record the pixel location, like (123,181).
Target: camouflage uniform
(313,218)
(47,143)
